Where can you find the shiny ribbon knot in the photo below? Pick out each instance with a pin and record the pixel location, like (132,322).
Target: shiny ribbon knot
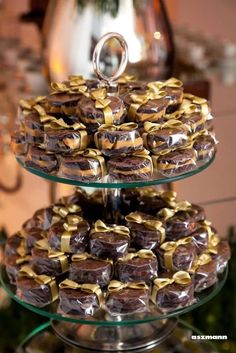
(122,127)
(28,104)
(86,287)
(165,195)
(172,82)
(126,79)
(151,224)
(141,99)
(169,248)
(27,272)
(180,277)
(192,104)
(63,211)
(71,225)
(143,254)
(76,84)
(202,260)
(102,102)
(100,227)
(116,286)
(166,213)
(172,123)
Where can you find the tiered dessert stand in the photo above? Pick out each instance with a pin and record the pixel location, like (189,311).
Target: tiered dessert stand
(136,332)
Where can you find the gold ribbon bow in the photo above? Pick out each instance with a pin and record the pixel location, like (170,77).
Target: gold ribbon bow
(126,79)
(172,82)
(102,102)
(100,227)
(202,260)
(152,192)
(169,248)
(143,254)
(116,286)
(213,238)
(180,277)
(141,99)
(86,287)
(85,255)
(63,211)
(166,213)
(123,127)
(28,105)
(27,272)
(172,123)
(151,224)
(192,104)
(42,244)
(96,154)
(76,85)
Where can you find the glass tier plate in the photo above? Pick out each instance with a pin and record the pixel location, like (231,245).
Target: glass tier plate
(103,319)
(107,183)
(42,339)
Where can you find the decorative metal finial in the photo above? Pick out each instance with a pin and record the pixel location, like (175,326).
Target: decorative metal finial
(97,53)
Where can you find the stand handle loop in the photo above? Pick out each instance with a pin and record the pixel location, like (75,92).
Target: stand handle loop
(97,53)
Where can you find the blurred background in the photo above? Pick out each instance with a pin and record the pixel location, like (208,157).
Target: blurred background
(43,40)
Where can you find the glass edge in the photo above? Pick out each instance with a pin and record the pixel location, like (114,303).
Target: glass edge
(58,317)
(120,184)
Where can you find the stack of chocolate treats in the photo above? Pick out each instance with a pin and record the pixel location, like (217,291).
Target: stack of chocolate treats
(85,131)
(158,257)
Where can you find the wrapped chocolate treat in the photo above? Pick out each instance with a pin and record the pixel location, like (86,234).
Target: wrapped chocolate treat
(198,213)
(88,165)
(204,271)
(15,244)
(146,231)
(152,200)
(204,237)
(222,255)
(172,292)
(137,266)
(128,83)
(115,140)
(194,104)
(86,268)
(79,299)
(145,105)
(67,139)
(204,145)
(98,109)
(69,235)
(109,241)
(159,138)
(65,96)
(173,89)
(137,166)
(41,159)
(34,289)
(47,262)
(175,162)
(18,144)
(177,255)
(179,221)
(127,298)
(13,264)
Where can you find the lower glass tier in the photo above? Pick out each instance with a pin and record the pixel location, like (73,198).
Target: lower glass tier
(42,340)
(103,319)
(106,182)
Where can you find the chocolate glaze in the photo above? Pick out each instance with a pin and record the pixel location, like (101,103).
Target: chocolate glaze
(136,270)
(38,159)
(117,168)
(108,245)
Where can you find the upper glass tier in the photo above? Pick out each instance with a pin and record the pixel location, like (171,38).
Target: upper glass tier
(103,319)
(107,182)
